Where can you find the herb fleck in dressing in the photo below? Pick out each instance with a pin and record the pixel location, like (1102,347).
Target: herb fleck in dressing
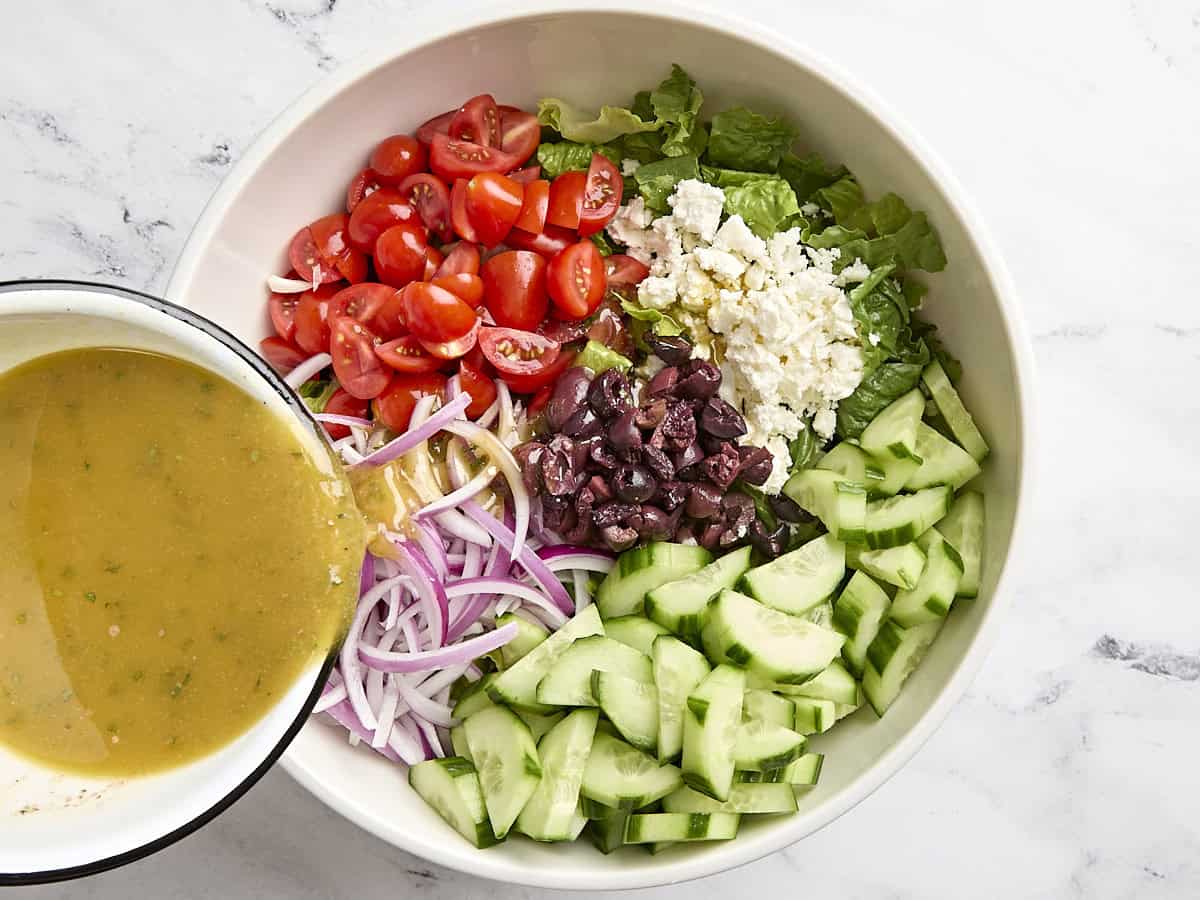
(166,560)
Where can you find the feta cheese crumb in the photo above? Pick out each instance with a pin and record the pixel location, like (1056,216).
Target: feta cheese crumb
(697,207)
(810,209)
(629,167)
(874,338)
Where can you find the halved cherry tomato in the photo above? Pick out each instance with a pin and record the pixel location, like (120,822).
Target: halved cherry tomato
(364,184)
(434,314)
(515,352)
(282,355)
(430,197)
(307,260)
(450,159)
(551,242)
(312,321)
(376,214)
(601,196)
(624,271)
(476,358)
(528,384)
(468,288)
(520,133)
(527,174)
(514,288)
(453,349)
(576,281)
(458,212)
(566,199)
(493,205)
(396,157)
(436,125)
(343,404)
(463,259)
(395,405)
(329,234)
(359,371)
(360,301)
(433,262)
(389,321)
(481,388)
(537,402)
(477,121)
(534,207)
(282,308)
(405,354)
(400,254)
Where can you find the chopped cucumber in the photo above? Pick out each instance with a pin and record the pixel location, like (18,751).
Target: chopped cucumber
(637,632)
(677,670)
(797,581)
(655,828)
(621,776)
(474,698)
(840,504)
(507,761)
(942,462)
(950,405)
(901,519)
(451,787)
(821,614)
(858,614)
(894,431)
(569,680)
(855,464)
(768,706)
(761,746)
(930,600)
(681,606)
(607,832)
(631,705)
(963,528)
(710,724)
(528,636)
(892,657)
(458,742)
(551,812)
(834,683)
(901,566)
(518,686)
(643,569)
(895,473)
(803,771)
(539,724)
(744,797)
(814,716)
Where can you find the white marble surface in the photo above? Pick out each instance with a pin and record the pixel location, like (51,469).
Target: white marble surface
(1070,768)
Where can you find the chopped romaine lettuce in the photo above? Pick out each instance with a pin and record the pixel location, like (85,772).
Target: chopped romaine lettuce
(741,139)
(676,106)
(764,203)
(656,181)
(576,125)
(568,156)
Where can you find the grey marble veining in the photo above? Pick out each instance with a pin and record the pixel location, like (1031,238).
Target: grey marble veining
(1069,768)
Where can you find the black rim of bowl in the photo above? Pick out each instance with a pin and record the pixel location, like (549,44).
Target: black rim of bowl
(297,406)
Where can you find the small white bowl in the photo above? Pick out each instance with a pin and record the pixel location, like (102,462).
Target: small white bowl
(298,170)
(53,825)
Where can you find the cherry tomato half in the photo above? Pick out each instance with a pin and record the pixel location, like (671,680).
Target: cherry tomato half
(364,184)
(624,271)
(468,288)
(481,389)
(566,199)
(307,260)
(453,349)
(282,356)
(520,133)
(458,212)
(430,197)
(528,384)
(551,242)
(359,371)
(400,254)
(329,234)
(395,405)
(493,205)
(434,314)
(534,207)
(601,195)
(576,281)
(397,157)
(477,121)
(282,308)
(389,321)
(342,404)
(537,402)
(436,125)
(376,214)
(360,301)
(463,259)
(516,352)
(450,159)
(405,354)
(312,321)
(527,174)
(514,288)
(433,262)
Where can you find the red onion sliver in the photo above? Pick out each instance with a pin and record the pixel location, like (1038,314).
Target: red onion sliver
(344,715)
(333,695)
(467,492)
(428,660)
(527,559)
(348,421)
(419,434)
(429,589)
(351,668)
(307,369)
(503,459)
(509,587)
(421,705)
(582,596)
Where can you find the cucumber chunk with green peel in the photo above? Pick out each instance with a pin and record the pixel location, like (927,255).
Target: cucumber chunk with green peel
(621,776)
(607,832)
(900,566)
(904,518)
(834,683)
(744,797)
(963,528)
(569,680)
(858,613)
(892,657)
(550,814)
(761,746)
(638,571)
(677,670)
(681,606)
(896,473)
(894,431)
(855,464)
(517,686)
(632,707)
(821,614)
(942,462)
(799,580)
(814,716)
(710,726)
(840,504)
(529,635)
(637,632)
(474,698)
(800,772)
(657,828)
(458,742)
(930,600)
(539,724)
(950,405)
(506,758)
(771,644)
(769,707)
(451,786)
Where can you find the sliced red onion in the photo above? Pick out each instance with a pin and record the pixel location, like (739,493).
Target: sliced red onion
(430,591)
(467,492)
(503,459)
(474,673)
(489,415)
(333,695)
(348,421)
(508,587)
(343,714)
(419,434)
(558,559)
(387,712)
(428,660)
(582,596)
(438,681)
(281,285)
(453,388)
(472,561)
(527,559)
(413,737)
(403,743)
(433,548)
(422,706)
(351,668)
(507,426)
(498,565)
(429,733)
(307,369)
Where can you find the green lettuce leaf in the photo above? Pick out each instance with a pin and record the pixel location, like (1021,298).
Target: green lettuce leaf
(887,383)
(676,104)
(880,310)
(576,125)
(741,139)
(656,181)
(809,174)
(927,333)
(765,204)
(914,246)
(316,393)
(603,244)
(659,323)
(645,147)
(804,449)
(568,156)
(846,203)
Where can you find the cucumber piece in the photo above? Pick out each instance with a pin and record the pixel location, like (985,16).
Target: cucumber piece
(892,657)
(901,519)
(834,683)
(619,775)
(803,771)
(474,698)
(942,462)
(637,632)
(858,614)
(855,464)
(950,405)
(539,724)
(569,681)
(710,723)
(518,686)
(677,670)
(681,606)
(771,644)
(841,505)
(894,431)
(963,529)
(797,581)
(451,787)
(814,716)
(528,636)
(901,566)
(895,473)
(550,814)
(631,705)
(930,600)
(761,746)
(458,742)
(507,761)
(656,828)
(821,614)
(769,707)
(607,832)
(744,797)
(643,569)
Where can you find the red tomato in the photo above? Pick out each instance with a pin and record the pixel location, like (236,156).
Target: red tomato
(305,258)
(515,352)
(431,198)
(528,384)
(624,271)
(576,280)
(282,356)
(566,199)
(376,214)
(514,288)
(468,288)
(453,349)
(493,205)
(601,196)
(458,212)
(360,301)
(400,254)
(405,354)
(282,308)
(389,321)
(520,133)
(436,125)
(463,259)
(397,157)
(364,183)
(343,404)
(477,121)
(450,159)
(433,262)
(481,388)
(329,234)
(551,242)
(395,405)
(537,402)
(359,371)
(534,207)
(312,321)
(434,314)
(526,175)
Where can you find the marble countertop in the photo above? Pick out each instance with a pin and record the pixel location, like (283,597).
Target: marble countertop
(1070,767)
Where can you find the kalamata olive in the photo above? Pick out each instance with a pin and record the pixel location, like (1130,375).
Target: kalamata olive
(710,444)
(570,392)
(601,454)
(663,382)
(701,381)
(558,466)
(688,456)
(529,458)
(658,463)
(624,436)
(657,525)
(651,413)
(614,512)
(671,495)
(756,464)
(583,423)
(599,488)
(685,534)
(738,510)
(768,543)
(704,501)
(721,420)
(671,350)
(787,509)
(722,468)
(610,393)
(580,532)
(618,537)
(677,429)
(710,536)
(634,484)
(558,513)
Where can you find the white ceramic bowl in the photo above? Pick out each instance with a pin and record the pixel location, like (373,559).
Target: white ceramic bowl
(55,826)
(298,170)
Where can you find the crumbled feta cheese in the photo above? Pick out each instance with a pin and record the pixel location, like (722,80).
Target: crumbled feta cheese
(657,292)
(874,338)
(725,266)
(629,167)
(810,209)
(736,237)
(855,272)
(697,207)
